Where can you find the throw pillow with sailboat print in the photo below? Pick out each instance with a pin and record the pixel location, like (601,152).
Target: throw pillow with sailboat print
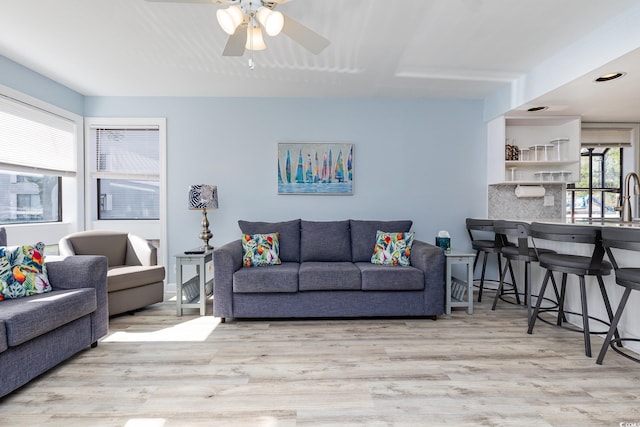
(315,168)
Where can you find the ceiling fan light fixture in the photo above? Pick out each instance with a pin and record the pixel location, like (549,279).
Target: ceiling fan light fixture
(230,18)
(254,38)
(272,21)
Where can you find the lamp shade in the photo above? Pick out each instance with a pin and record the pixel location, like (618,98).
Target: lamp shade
(203,196)
(254,38)
(273,22)
(230,18)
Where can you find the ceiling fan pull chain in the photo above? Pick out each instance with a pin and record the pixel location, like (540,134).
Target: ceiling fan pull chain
(252,64)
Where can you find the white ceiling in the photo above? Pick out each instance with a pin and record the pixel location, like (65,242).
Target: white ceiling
(401,48)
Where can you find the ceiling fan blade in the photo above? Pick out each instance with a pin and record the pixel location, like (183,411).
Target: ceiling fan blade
(305,36)
(236,42)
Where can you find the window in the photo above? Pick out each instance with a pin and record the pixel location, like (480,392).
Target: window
(127,172)
(598,192)
(38,150)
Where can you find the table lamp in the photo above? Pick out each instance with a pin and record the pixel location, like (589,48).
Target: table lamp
(204,196)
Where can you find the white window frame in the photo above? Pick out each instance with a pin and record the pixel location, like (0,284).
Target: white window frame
(148,229)
(72,187)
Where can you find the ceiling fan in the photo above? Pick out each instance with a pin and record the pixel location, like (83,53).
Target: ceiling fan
(244,20)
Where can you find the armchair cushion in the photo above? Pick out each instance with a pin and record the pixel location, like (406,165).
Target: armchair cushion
(130,276)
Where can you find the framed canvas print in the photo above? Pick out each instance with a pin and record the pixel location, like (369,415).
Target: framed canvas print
(324,168)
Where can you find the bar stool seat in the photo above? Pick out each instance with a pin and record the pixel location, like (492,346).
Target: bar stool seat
(627,277)
(578,265)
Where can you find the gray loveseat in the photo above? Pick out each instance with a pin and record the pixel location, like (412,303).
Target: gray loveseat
(326,271)
(38,332)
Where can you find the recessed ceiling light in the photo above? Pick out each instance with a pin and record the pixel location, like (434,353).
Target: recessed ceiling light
(610,76)
(540,108)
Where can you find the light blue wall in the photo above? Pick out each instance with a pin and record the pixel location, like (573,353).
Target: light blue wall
(419,159)
(22,79)
(422,159)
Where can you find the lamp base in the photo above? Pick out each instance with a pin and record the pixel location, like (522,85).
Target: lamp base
(205,234)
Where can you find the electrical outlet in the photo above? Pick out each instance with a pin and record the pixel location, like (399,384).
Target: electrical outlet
(549,201)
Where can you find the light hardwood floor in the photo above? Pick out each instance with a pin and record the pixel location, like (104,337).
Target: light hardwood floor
(155,369)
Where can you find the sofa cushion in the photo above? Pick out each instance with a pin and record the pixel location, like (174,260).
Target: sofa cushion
(390,278)
(325,276)
(289,237)
(276,278)
(325,241)
(131,276)
(30,317)
(259,250)
(393,248)
(363,236)
(22,271)
(3,337)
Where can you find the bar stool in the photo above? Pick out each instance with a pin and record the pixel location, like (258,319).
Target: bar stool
(519,252)
(578,265)
(484,246)
(627,277)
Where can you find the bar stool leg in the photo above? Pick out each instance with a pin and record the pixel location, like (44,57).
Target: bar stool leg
(555,289)
(503,274)
(532,320)
(527,288)
(513,281)
(585,317)
(614,326)
(484,269)
(607,305)
(563,290)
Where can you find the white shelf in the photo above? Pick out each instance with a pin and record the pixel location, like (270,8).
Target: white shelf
(559,136)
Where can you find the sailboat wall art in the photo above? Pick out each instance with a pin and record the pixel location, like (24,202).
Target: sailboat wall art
(323,168)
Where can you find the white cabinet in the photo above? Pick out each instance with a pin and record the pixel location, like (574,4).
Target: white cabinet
(549,150)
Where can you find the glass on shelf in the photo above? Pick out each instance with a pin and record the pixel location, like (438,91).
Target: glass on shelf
(525,154)
(561,148)
(542,152)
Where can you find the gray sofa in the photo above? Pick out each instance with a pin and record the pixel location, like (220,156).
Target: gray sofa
(326,271)
(38,332)
(134,278)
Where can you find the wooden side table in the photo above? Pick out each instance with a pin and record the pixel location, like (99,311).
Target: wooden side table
(194,292)
(455,287)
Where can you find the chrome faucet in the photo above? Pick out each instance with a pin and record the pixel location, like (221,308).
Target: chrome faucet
(626,204)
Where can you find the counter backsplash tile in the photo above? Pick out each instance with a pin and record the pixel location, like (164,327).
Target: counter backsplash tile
(503,203)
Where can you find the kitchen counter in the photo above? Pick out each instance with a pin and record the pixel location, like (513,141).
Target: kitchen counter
(629,325)
(606,222)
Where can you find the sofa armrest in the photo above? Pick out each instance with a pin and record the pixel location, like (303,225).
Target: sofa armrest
(140,251)
(430,259)
(227,259)
(83,271)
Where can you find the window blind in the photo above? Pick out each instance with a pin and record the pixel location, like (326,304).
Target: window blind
(129,151)
(606,137)
(35,141)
